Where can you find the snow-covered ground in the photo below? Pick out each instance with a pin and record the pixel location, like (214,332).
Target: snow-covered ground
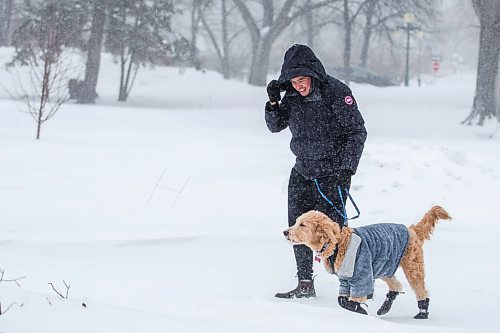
(165,213)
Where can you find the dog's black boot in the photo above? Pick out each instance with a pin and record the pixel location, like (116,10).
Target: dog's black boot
(423,306)
(305,289)
(351,305)
(386,306)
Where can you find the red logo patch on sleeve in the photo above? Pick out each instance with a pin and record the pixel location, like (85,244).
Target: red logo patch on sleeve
(348,100)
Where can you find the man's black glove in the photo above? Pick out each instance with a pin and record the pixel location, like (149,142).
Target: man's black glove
(273,91)
(344,178)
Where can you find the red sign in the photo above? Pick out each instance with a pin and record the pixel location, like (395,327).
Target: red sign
(435,66)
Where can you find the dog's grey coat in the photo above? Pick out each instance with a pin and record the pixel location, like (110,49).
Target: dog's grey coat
(379,254)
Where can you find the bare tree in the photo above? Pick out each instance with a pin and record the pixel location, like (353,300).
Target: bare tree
(488,12)
(381,17)
(369,13)
(344,13)
(139,33)
(221,35)
(350,12)
(39,42)
(263,33)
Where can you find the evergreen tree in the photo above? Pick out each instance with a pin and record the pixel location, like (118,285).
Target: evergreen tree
(43,20)
(139,33)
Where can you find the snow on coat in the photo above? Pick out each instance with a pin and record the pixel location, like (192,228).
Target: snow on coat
(328,131)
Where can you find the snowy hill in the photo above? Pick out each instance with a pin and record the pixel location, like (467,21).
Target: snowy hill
(165,213)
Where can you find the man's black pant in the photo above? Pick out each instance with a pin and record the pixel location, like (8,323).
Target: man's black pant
(303,196)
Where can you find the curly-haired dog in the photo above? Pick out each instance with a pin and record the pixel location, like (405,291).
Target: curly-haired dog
(359,256)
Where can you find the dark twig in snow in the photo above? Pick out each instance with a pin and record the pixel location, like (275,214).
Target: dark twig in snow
(57,292)
(179,192)
(156,186)
(10,280)
(8,308)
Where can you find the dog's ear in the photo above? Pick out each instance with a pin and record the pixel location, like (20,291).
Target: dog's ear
(329,230)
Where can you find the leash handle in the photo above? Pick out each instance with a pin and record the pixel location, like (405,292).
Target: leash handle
(354,204)
(342,213)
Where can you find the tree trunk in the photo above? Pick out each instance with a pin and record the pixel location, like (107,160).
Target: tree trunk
(129,68)
(195,20)
(5,21)
(126,83)
(309,25)
(484,100)
(483,107)
(497,99)
(88,92)
(367,33)
(122,94)
(262,39)
(46,80)
(347,44)
(225,66)
(260,62)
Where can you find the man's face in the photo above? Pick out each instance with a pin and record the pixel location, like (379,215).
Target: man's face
(302,84)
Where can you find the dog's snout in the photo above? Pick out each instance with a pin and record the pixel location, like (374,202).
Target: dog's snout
(285,233)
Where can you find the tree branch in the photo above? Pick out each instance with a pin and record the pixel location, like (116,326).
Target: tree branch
(211,35)
(57,292)
(2,312)
(250,21)
(10,280)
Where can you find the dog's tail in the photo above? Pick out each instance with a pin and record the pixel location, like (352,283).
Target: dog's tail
(426,226)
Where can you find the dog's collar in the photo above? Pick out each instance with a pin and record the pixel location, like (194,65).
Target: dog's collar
(323,248)
(318,254)
(331,258)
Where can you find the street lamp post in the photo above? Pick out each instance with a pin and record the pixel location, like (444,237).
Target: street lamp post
(420,36)
(408,19)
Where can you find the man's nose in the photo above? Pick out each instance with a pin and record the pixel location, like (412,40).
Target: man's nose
(285,233)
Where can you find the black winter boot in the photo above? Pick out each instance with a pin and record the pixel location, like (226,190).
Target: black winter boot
(304,289)
(386,306)
(423,305)
(351,305)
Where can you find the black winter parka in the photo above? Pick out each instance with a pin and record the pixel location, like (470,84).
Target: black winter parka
(328,132)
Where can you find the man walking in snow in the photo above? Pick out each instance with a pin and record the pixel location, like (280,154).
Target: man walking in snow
(328,136)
